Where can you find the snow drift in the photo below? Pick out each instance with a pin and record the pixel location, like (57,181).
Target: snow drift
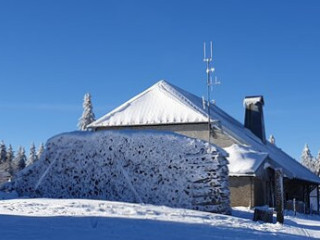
(83,219)
(138,167)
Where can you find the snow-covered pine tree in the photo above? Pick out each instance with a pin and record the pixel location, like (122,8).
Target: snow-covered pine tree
(19,161)
(3,152)
(40,151)
(318,164)
(10,154)
(307,159)
(32,155)
(87,115)
(272,139)
(10,157)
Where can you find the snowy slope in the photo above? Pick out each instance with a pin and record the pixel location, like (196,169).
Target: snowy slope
(140,167)
(92,219)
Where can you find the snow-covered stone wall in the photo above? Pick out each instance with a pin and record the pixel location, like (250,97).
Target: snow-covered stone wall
(138,167)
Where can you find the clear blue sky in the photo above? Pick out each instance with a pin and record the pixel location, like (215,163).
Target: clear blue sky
(53,52)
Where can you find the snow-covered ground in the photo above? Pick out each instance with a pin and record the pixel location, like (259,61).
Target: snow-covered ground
(95,219)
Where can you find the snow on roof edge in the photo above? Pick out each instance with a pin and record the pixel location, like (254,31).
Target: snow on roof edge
(244,160)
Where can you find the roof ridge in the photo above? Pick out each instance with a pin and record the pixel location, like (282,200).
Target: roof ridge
(181,97)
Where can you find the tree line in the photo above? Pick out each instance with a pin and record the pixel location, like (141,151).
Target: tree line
(12,161)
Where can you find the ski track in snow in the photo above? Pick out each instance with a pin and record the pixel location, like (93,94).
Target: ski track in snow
(94,219)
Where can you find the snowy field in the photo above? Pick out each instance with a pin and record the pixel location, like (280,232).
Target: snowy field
(93,219)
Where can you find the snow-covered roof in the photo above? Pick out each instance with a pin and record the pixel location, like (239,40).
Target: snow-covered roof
(160,104)
(243,160)
(164,103)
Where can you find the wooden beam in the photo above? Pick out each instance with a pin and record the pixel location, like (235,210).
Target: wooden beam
(279,194)
(318,198)
(308,199)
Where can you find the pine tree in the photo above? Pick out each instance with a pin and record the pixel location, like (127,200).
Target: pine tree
(272,139)
(307,158)
(87,115)
(10,154)
(318,164)
(3,152)
(19,161)
(40,151)
(10,157)
(32,155)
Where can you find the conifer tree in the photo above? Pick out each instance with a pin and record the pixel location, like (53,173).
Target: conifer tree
(10,157)
(19,161)
(272,139)
(32,155)
(10,154)
(3,152)
(40,151)
(87,115)
(307,159)
(318,164)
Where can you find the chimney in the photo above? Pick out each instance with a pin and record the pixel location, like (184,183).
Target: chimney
(254,119)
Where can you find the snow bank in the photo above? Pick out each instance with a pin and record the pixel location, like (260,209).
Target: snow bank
(84,219)
(138,167)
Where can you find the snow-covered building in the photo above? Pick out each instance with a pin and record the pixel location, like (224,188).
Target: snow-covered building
(252,159)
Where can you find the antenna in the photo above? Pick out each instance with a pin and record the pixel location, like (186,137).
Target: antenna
(216,81)
(209,71)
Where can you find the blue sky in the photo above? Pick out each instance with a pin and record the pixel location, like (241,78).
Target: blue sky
(53,52)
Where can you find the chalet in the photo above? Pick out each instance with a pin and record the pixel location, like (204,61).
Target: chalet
(252,159)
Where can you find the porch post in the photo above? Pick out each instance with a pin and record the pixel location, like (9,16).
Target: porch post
(318,199)
(308,199)
(279,194)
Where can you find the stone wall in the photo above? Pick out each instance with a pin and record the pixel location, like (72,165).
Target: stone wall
(194,130)
(241,191)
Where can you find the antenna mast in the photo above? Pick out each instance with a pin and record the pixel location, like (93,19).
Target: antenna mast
(209,72)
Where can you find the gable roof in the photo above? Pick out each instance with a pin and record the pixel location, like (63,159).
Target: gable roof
(164,103)
(160,104)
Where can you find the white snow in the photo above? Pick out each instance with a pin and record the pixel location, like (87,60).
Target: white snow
(92,219)
(243,160)
(252,100)
(87,116)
